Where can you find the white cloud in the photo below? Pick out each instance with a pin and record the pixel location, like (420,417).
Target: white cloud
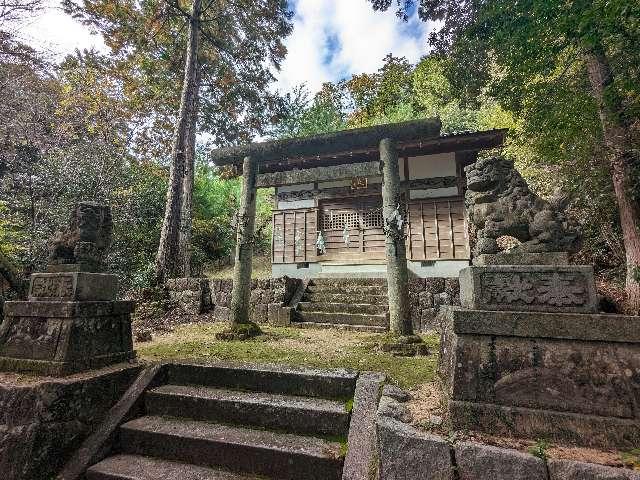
(363,38)
(56,33)
(360,38)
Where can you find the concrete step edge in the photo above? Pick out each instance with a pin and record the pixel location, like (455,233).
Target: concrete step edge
(139,467)
(303,415)
(259,452)
(276,379)
(341,326)
(342,318)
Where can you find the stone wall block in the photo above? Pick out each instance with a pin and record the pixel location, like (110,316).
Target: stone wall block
(476,461)
(221,313)
(443,298)
(452,286)
(416,285)
(43,423)
(429,319)
(255,297)
(434,285)
(214,285)
(569,470)
(425,299)
(416,319)
(259,313)
(409,454)
(226,285)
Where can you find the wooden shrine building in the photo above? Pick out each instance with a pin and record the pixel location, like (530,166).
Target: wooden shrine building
(327,215)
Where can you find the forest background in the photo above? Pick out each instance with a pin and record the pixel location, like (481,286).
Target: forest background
(99,126)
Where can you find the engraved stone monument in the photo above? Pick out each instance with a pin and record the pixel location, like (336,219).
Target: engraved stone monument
(527,354)
(72,320)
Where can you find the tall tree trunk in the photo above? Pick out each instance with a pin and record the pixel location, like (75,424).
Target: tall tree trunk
(617,139)
(186,213)
(168,258)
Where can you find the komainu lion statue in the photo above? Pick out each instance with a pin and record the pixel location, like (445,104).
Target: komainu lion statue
(500,203)
(85,240)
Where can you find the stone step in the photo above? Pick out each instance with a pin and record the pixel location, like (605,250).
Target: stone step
(343,318)
(340,326)
(361,308)
(260,452)
(325,297)
(264,410)
(347,289)
(283,380)
(348,281)
(137,467)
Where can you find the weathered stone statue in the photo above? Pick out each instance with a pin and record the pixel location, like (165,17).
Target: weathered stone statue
(72,320)
(527,353)
(500,203)
(82,246)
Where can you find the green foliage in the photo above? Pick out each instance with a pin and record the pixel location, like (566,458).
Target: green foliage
(539,449)
(399,91)
(632,458)
(241,45)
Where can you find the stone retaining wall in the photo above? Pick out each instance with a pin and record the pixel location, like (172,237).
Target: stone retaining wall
(406,453)
(270,298)
(193,294)
(426,296)
(43,422)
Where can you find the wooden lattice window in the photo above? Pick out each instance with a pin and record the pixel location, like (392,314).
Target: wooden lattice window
(340,220)
(373,218)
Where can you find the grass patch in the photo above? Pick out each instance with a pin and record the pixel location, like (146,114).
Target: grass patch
(293,346)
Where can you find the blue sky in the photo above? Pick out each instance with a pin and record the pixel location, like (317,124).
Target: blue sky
(332,39)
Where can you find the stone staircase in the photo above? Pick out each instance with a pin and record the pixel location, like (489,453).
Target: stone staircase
(349,303)
(236,423)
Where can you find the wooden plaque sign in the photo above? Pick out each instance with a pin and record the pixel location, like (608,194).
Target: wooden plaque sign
(358,183)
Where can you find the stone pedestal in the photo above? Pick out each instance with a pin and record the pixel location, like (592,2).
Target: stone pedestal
(71,323)
(532,288)
(527,355)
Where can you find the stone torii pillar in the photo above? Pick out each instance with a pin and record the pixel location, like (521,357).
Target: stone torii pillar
(395,251)
(240,326)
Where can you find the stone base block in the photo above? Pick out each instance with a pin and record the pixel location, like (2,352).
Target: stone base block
(279,316)
(59,338)
(565,427)
(547,258)
(552,365)
(221,314)
(532,288)
(73,287)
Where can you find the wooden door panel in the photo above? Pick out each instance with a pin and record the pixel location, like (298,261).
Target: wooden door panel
(438,229)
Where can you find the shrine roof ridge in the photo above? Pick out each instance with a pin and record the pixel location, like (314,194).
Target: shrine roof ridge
(328,144)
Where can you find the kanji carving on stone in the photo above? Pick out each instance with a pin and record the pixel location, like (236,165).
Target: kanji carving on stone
(556,289)
(507,288)
(561,290)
